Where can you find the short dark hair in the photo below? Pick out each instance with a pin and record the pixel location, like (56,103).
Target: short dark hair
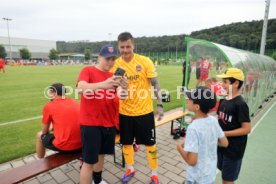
(232,80)
(58,88)
(124,36)
(204,97)
(203,109)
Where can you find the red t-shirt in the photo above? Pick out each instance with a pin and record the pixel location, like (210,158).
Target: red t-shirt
(2,63)
(218,89)
(205,65)
(64,114)
(101,108)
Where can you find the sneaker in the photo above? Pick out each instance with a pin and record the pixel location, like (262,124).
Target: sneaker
(154,179)
(127,176)
(102,182)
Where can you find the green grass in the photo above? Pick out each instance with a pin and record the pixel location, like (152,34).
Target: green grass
(22,89)
(18,139)
(22,96)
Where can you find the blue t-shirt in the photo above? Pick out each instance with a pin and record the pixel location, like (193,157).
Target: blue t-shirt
(202,138)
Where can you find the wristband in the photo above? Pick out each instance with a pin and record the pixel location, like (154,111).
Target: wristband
(159,105)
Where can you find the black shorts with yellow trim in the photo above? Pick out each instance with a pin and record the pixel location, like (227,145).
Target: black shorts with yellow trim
(138,128)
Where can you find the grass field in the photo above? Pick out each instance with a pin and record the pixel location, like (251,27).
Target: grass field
(22,96)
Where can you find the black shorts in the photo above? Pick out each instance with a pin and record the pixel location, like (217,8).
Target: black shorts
(96,140)
(47,141)
(229,168)
(142,128)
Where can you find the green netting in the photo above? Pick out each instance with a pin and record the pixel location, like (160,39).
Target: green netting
(259,70)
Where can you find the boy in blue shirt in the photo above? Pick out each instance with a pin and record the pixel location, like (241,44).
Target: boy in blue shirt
(203,136)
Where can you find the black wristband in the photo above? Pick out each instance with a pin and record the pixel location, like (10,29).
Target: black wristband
(159,105)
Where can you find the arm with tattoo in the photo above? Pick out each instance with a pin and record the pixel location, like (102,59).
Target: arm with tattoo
(159,109)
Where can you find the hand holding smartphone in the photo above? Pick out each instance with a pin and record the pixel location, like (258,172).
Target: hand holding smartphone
(119,72)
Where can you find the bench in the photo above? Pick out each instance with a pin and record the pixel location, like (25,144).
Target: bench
(37,167)
(174,117)
(32,169)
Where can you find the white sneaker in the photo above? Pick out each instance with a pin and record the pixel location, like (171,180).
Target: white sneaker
(102,182)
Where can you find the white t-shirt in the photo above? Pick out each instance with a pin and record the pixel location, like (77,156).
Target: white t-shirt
(202,138)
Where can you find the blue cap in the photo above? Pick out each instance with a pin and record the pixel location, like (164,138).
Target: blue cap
(108,51)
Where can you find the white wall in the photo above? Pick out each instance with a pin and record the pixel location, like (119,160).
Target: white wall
(34,46)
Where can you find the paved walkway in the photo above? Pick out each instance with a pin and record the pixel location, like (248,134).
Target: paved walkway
(259,164)
(171,166)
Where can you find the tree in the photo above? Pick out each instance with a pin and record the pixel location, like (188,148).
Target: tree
(25,54)
(3,52)
(243,35)
(274,55)
(87,54)
(53,54)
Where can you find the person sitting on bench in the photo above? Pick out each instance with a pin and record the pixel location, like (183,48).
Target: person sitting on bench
(62,114)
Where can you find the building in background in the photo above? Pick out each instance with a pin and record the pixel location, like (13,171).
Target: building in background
(38,48)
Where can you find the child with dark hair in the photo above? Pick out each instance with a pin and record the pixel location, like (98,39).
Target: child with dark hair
(233,117)
(199,148)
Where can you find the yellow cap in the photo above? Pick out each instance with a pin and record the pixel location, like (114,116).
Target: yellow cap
(234,73)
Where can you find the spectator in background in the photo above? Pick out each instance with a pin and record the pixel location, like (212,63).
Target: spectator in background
(63,114)
(2,65)
(217,88)
(205,67)
(184,74)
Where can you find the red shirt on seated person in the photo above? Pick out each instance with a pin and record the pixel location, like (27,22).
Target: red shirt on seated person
(63,114)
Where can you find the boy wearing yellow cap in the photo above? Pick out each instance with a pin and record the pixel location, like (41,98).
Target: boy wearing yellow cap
(233,117)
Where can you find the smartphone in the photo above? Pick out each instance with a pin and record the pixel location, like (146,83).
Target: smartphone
(119,72)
